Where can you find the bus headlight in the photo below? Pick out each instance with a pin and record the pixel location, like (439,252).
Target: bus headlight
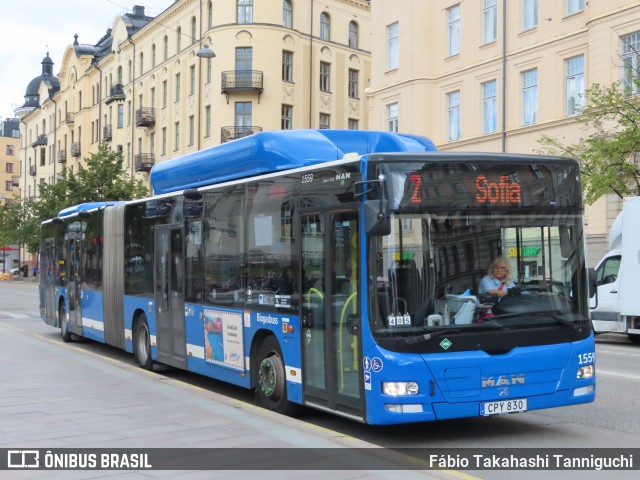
(399,389)
(587,371)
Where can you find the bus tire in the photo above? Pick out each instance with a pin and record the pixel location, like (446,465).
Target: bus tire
(635,338)
(271,385)
(142,344)
(64,323)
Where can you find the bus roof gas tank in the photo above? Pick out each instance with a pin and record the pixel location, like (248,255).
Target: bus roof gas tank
(268,152)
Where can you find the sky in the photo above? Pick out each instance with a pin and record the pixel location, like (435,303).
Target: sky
(30,28)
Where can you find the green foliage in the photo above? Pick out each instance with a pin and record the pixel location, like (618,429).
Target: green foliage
(100,179)
(610,155)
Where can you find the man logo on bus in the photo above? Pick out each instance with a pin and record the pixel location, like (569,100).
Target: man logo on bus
(503,191)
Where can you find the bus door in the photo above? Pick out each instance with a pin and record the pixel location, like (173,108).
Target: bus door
(48,274)
(169,295)
(73,247)
(329,311)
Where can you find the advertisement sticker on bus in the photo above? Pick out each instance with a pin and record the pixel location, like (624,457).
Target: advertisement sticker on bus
(223,338)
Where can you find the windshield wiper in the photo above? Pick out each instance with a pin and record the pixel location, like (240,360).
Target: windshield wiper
(457,329)
(554,315)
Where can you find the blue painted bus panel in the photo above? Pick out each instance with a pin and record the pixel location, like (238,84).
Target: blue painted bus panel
(458,391)
(92,315)
(84,207)
(268,152)
(210,354)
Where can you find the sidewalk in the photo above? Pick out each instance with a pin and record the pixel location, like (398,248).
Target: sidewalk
(56,395)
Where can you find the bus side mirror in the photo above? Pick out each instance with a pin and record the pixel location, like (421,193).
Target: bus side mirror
(593,286)
(376,217)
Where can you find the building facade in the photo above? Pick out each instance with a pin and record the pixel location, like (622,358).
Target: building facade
(9,160)
(146,89)
(9,182)
(496,75)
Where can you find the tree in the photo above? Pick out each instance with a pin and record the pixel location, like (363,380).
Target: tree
(102,179)
(610,155)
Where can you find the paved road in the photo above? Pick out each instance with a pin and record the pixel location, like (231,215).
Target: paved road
(55,395)
(84,394)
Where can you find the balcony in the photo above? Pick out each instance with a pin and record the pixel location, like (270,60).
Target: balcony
(75,149)
(69,118)
(62,156)
(242,81)
(144,161)
(145,117)
(15,180)
(232,133)
(107,133)
(116,94)
(40,141)
(32,170)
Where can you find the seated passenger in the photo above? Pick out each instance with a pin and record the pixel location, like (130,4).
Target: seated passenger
(497,281)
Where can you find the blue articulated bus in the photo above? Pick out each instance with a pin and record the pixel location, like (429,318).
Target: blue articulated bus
(340,270)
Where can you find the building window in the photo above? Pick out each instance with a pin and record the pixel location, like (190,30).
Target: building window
(529,14)
(489,107)
(208,70)
(353,35)
(325,121)
(392,117)
(325,26)
(490,17)
(177,87)
(194,36)
(179,39)
(210,15)
(192,130)
(287,66)
(530,96)
(353,124)
(207,121)
(392,46)
(574,6)
(166,48)
(164,94)
(287,14)
(286,118)
(9,150)
(9,168)
(453,112)
(631,63)
(453,37)
(120,115)
(325,77)
(353,83)
(176,138)
(8,185)
(192,79)
(164,140)
(245,11)
(153,56)
(575,84)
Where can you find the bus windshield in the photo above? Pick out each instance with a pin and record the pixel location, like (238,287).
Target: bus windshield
(429,269)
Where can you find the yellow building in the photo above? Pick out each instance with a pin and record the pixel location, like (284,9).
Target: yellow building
(150,89)
(9,160)
(496,75)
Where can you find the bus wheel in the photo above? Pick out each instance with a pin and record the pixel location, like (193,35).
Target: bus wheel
(635,338)
(64,323)
(271,388)
(142,344)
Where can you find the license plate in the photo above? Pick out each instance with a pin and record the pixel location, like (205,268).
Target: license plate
(503,406)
